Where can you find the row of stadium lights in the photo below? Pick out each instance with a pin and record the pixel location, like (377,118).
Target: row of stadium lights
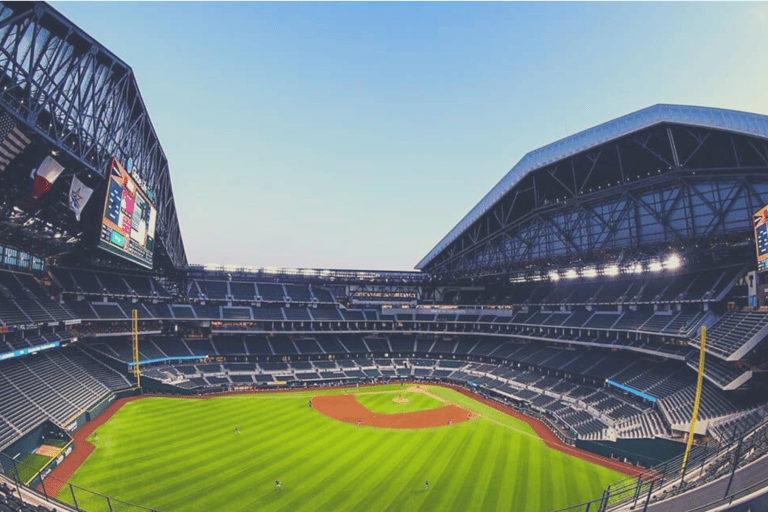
(673,262)
(600,187)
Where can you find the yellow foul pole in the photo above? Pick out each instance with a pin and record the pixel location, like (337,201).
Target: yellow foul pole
(699,383)
(136,370)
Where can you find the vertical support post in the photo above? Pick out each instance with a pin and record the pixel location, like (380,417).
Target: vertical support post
(638,486)
(136,370)
(696,400)
(604,499)
(735,467)
(16,478)
(109,503)
(648,498)
(74,500)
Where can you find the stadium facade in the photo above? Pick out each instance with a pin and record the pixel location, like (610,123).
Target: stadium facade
(574,292)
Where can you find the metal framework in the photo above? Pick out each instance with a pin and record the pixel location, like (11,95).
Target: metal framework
(666,186)
(76,96)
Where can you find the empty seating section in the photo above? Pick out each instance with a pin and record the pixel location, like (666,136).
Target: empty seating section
(602,320)
(296,313)
(298,293)
(647,424)
(23,300)
(734,330)
(108,311)
(113,284)
(734,427)
(632,320)
(678,406)
(86,282)
(323,294)
(258,346)
(354,315)
(271,292)
(54,385)
(718,371)
(208,310)
(708,285)
(265,312)
(182,311)
(308,346)
(235,313)
(214,290)
(242,290)
(325,313)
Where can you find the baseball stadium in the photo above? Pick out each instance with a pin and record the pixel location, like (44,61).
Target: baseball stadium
(590,337)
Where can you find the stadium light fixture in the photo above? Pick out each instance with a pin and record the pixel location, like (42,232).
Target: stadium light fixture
(673,262)
(589,272)
(571,274)
(637,268)
(655,266)
(613,270)
(554,276)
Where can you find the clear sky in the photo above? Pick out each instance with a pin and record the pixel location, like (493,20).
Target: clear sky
(356,135)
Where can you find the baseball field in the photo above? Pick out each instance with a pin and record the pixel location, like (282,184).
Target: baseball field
(179,455)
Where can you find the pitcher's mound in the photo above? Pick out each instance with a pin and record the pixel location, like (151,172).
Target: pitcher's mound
(400,400)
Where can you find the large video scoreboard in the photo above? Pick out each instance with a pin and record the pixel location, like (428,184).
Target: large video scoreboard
(128,224)
(761,238)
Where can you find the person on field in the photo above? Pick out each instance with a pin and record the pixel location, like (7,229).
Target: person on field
(426,485)
(278,485)
(310,404)
(237,431)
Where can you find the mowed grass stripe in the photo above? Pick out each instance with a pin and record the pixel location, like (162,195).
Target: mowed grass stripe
(271,458)
(365,474)
(183,456)
(193,475)
(423,463)
(453,473)
(491,495)
(340,471)
(477,470)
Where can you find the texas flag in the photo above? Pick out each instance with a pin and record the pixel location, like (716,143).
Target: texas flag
(45,175)
(79,194)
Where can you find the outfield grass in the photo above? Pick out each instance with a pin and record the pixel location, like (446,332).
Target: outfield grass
(179,455)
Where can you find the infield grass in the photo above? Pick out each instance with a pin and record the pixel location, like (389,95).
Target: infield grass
(383,401)
(179,455)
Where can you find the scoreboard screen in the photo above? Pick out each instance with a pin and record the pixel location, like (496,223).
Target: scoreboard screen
(761,238)
(128,224)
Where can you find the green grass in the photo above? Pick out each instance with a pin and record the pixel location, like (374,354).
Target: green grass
(180,455)
(56,443)
(382,402)
(30,465)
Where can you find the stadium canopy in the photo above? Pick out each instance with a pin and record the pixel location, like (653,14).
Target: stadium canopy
(586,185)
(70,98)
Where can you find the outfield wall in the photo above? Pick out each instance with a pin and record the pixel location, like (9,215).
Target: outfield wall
(649,452)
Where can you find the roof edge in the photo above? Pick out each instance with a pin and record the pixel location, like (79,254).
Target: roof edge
(746,123)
